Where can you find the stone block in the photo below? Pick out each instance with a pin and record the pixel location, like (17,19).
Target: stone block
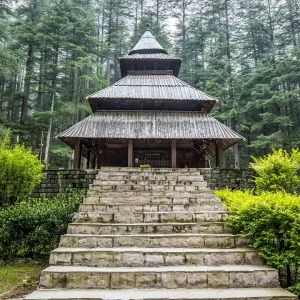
(175,259)
(218,280)
(173,280)
(241,280)
(122,280)
(147,280)
(154,260)
(195,280)
(132,259)
(267,278)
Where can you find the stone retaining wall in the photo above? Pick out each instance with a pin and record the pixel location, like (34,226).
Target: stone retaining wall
(57,180)
(80,179)
(231,178)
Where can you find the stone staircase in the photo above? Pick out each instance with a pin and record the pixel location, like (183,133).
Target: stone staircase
(154,234)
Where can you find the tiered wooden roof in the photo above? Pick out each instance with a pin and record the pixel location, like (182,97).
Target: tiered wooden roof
(150,102)
(152,87)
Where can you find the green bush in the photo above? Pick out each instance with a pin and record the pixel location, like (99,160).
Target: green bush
(277,172)
(32,228)
(20,171)
(271,222)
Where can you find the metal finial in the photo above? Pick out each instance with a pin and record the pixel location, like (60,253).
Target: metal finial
(147,26)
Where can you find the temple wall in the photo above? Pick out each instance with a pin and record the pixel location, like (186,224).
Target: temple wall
(80,179)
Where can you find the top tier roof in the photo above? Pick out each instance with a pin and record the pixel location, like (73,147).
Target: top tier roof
(147,44)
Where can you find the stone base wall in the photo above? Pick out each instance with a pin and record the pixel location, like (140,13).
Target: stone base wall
(231,178)
(56,180)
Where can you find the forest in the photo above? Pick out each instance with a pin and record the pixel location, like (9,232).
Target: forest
(54,53)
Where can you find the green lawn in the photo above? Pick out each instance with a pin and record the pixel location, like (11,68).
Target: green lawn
(19,278)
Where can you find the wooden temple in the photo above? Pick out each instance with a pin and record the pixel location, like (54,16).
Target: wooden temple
(150,117)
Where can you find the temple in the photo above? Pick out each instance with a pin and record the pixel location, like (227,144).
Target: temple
(150,118)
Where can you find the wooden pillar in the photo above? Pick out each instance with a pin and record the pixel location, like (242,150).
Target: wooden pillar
(236,156)
(221,156)
(99,160)
(173,154)
(130,153)
(217,155)
(88,159)
(93,163)
(77,155)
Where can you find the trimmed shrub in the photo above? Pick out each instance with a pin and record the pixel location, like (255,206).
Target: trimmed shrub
(32,228)
(20,171)
(277,172)
(271,222)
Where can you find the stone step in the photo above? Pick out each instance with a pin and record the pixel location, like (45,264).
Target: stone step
(149,176)
(147,228)
(150,170)
(153,257)
(170,277)
(188,240)
(100,182)
(125,208)
(204,193)
(149,217)
(139,188)
(167,199)
(164,294)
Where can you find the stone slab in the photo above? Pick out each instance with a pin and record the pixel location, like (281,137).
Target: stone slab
(164,294)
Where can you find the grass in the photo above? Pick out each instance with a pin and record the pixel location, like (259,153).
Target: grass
(16,279)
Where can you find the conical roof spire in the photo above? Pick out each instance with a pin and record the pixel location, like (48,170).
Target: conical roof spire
(147,44)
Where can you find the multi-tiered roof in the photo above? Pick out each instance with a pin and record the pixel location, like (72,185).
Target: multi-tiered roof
(150,102)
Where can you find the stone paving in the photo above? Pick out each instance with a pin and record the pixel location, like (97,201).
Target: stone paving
(154,234)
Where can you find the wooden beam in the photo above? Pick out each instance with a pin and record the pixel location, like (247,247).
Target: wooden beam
(236,156)
(130,153)
(77,155)
(173,154)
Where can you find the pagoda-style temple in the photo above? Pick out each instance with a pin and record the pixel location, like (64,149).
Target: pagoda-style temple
(150,117)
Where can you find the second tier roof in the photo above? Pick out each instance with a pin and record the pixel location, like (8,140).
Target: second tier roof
(153,87)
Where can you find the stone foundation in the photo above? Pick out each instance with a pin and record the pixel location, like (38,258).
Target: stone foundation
(231,178)
(57,180)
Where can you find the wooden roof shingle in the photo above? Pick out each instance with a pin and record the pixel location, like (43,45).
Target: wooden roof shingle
(151,125)
(156,87)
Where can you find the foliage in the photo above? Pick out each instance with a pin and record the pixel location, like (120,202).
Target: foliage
(20,171)
(277,171)
(14,275)
(271,222)
(32,228)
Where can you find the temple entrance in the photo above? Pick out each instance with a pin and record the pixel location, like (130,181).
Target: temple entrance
(153,158)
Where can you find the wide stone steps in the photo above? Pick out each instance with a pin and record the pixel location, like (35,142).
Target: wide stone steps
(148,176)
(187,240)
(140,182)
(153,257)
(164,294)
(140,188)
(127,208)
(154,234)
(136,228)
(169,277)
(149,198)
(149,217)
(175,171)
